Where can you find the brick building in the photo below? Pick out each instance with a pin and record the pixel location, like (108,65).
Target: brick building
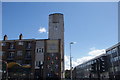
(36,58)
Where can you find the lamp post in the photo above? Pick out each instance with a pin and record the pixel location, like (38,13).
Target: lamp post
(71,60)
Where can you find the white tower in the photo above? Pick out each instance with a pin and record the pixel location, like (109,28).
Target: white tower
(56,26)
(56,31)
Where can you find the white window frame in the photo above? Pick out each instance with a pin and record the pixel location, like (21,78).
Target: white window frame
(3,44)
(20,43)
(11,54)
(40,50)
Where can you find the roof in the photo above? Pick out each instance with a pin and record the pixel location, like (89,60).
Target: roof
(56,14)
(104,54)
(113,46)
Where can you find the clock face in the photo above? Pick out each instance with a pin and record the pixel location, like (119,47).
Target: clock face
(52,46)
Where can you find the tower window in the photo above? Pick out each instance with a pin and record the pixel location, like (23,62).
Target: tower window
(56,27)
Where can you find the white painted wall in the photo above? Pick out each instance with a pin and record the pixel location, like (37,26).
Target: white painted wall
(39,55)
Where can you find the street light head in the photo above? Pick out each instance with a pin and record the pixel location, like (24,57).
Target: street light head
(72,42)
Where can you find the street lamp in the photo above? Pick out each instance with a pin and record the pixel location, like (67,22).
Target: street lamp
(71,60)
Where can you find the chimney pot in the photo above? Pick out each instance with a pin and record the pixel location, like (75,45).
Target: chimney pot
(5,37)
(20,36)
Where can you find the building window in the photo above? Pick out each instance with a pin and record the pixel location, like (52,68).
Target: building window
(48,75)
(102,59)
(3,53)
(119,57)
(56,28)
(28,54)
(36,63)
(56,66)
(108,52)
(115,58)
(40,50)
(119,47)
(3,44)
(20,43)
(29,45)
(11,54)
(19,53)
(11,45)
(41,62)
(114,50)
(116,68)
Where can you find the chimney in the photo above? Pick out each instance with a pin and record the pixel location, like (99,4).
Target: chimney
(20,37)
(5,37)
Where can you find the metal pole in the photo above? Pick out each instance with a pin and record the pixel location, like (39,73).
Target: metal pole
(70,63)
(71,60)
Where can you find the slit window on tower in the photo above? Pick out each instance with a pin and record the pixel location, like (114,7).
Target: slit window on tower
(56,28)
